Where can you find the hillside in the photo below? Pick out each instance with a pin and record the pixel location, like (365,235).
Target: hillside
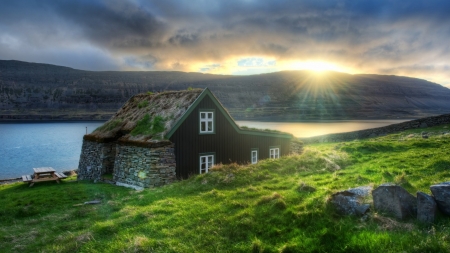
(46,92)
(273,206)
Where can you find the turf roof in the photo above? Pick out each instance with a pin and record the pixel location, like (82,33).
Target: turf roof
(166,112)
(168,106)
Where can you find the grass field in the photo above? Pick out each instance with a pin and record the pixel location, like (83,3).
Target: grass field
(273,206)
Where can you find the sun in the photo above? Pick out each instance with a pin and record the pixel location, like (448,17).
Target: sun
(317,66)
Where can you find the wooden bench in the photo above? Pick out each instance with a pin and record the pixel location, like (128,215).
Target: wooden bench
(27,178)
(60,175)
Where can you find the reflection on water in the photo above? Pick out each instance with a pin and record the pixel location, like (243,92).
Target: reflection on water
(308,129)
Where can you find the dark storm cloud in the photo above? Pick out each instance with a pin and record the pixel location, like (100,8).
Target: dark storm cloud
(367,35)
(113,23)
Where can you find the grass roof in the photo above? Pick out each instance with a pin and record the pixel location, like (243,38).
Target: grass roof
(146,117)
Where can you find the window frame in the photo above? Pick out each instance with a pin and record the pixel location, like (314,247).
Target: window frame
(208,156)
(251,155)
(276,152)
(213,121)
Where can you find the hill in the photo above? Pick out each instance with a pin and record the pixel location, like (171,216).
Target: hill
(45,92)
(273,206)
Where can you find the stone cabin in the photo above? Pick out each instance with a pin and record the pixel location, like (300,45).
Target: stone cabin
(155,139)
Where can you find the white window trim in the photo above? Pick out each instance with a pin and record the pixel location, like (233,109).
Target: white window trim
(207,120)
(274,153)
(256,156)
(209,159)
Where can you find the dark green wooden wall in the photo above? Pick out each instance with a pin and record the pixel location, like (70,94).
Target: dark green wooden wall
(228,145)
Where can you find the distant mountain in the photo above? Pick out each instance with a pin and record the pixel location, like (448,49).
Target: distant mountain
(36,91)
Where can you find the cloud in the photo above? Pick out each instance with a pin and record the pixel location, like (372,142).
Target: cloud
(372,36)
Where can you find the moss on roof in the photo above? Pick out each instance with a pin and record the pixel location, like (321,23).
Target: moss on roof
(267,130)
(156,112)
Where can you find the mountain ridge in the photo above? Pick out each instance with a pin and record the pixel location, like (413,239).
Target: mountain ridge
(35,91)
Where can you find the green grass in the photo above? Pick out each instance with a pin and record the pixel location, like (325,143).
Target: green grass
(143,104)
(147,126)
(273,206)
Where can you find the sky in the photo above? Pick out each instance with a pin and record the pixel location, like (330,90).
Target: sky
(233,37)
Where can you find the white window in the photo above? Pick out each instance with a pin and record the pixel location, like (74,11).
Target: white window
(254,156)
(206,122)
(274,153)
(206,162)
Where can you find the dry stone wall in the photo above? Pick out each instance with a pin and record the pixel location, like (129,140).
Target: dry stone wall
(145,167)
(96,159)
(380,131)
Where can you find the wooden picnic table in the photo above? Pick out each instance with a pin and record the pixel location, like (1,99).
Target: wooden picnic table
(43,174)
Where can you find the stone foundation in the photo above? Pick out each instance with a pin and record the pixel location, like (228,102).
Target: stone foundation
(144,166)
(96,159)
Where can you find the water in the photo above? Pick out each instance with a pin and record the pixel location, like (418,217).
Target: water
(308,129)
(24,146)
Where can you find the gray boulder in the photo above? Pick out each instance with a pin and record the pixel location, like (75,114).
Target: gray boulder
(351,201)
(426,208)
(394,200)
(441,193)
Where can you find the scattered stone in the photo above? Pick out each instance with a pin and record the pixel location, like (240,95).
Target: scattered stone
(306,188)
(423,125)
(441,193)
(93,202)
(425,135)
(411,136)
(426,208)
(137,188)
(394,200)
(70,172)
(351,201)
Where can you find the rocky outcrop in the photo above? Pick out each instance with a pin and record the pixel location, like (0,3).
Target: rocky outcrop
(441,193)
(352,201)
(426,208)
(394,200)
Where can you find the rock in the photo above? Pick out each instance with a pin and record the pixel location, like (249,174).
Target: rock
(426,208)
(351,201)
(423,125)
(93,202)
(441,193)
(394,200)
(425,135)
(303,187)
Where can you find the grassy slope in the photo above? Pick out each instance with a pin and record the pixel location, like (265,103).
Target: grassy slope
(258,208)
